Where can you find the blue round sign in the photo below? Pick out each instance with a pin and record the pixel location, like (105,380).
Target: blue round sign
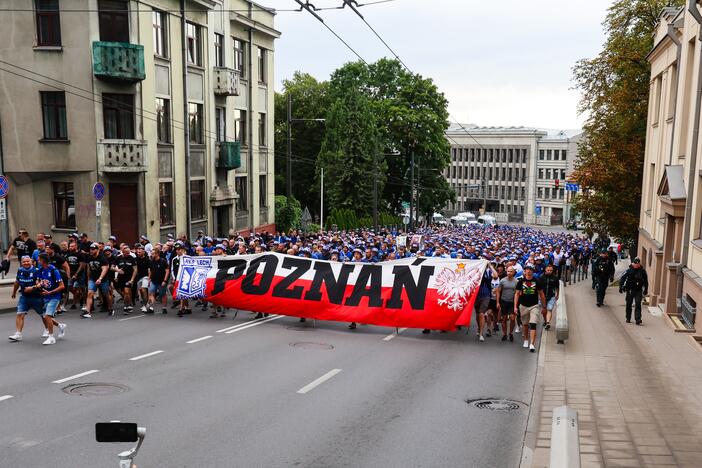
(99,191)
(4,186)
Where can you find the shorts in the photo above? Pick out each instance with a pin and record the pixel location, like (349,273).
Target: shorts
(104,286)
(157,289)
(551,304)
(481,304)
(143,283)
(492,305)
(78,283)
(121,284)
(530,314)
(50,307)
(506,308)
(27,303)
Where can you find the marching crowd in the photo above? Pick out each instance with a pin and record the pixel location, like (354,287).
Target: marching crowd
(520,285)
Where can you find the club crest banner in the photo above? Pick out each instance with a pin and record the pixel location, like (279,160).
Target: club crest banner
(432,293)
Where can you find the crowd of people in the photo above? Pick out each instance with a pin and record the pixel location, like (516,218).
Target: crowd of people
(520,286)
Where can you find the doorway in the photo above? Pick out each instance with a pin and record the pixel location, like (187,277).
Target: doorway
(124,216)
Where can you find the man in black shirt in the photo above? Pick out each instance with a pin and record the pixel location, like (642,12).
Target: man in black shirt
(22,245)
(125,267)
(77,267)
(550,287)
(158,280)
(635,282)
(97,279)
(142,276)
(526,303)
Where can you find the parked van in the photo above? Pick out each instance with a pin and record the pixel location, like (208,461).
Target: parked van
(487,220)
(462,219)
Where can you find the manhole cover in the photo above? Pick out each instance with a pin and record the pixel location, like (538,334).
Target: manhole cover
(311,345)
(496,405)
(95,389)
(300,328)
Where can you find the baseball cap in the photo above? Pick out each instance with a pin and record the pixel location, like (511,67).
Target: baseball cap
(636,260)
(94,245)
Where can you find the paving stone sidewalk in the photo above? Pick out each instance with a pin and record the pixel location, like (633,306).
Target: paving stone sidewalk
(637,389)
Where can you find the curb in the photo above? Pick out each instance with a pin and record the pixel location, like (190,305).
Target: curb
(527,458)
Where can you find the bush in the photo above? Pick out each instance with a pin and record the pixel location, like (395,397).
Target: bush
(287,214)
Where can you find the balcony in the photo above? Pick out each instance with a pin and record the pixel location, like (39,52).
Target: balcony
(229,155)
(222,195)
(226,81)
(118,61)
(122,155)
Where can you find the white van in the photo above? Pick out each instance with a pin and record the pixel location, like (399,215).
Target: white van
(463,218)
(487,220)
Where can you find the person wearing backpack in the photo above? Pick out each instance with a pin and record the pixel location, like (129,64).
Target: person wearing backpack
(635,282)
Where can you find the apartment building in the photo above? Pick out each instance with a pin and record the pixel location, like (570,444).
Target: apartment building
(670,238)
(517,171)
(167,103)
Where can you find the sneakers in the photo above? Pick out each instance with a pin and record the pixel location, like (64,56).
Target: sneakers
(62,330)
(511,337)
(143,309)
(639,322)
(84,309)
(426,331)
(547,325)
(164,311)
(16,337)
(86,315)
(149,310)
(111,312)
(46,333)
(481,338)
(504,337)
(487,332)
(532,349)
(352,326)
(50,340)
(628,320)
(526,344)
(517,329)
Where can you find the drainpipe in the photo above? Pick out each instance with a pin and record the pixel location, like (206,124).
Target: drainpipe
(252,224)
(671,35)
(5,230)
(694,12)
(186,119)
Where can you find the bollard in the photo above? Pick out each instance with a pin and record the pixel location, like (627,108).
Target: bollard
(565,442)
(561,317)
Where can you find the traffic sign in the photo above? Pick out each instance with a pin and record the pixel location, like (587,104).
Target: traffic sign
(98,208)
(3,209)
(572,187)
(4,186)
(99,190)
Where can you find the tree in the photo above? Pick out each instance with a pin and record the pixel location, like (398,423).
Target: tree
(287,213)
(615,87)
(309,101)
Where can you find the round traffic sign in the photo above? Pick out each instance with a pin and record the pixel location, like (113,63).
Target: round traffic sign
(99,190)
(4,186)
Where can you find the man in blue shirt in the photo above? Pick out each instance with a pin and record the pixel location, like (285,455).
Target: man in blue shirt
(30,297)
(51,285)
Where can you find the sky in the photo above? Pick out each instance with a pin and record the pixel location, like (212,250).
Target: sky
(499,62)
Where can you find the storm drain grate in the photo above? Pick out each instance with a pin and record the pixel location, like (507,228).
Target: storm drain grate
(496,404)
(95,389)
(311,345)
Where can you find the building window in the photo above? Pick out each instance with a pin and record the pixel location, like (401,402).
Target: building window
(241,190)
(239,56)
(240,126)
(195,122)
(541,192)
(163,120)
(262,191)
(118,116)
(262,78)
(193,44)
(113,19)
(220,124)
(219,50)
(165,188)
(262,134)
(64,205)
(562,174)
(548,155)
(548,173)
(524,152)
(563,155)
(541,155)
(197,199)
(541,173)
(160,34)
(48,23)
(556,155)
(510,156)
(53,109)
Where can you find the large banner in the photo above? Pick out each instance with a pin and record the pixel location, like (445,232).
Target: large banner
(432,293)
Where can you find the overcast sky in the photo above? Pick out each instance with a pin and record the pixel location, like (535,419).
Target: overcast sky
(499,62)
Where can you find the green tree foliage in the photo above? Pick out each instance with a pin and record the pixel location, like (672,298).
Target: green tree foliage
(615,87)
(309,101)
(287,215)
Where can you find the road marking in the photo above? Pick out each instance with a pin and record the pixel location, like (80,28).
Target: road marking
(240,325)
(319,381)
(274,317)
(131,318)
(154,353)
(5,397)
(199,339)
(77,376)
(393,335)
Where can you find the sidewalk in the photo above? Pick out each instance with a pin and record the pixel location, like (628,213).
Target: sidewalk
(637,389)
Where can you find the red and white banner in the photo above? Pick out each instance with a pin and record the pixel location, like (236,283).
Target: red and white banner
(432,293)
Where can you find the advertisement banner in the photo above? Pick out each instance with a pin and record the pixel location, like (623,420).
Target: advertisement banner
(434,293)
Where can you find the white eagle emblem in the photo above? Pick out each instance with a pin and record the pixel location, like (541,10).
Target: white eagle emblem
(454,287)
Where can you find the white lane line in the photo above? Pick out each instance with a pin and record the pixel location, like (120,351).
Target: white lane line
(77,376)
(393,335)
(5,397)
(131,318)
(154,353)
(199,339)
(274,317)
(319,381)
(240,325)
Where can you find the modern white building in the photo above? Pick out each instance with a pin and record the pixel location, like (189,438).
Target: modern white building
(520,172)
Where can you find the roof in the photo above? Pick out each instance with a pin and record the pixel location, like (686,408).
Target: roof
(545,133)
(672,184)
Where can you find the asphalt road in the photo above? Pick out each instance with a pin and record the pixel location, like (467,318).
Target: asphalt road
(249,399)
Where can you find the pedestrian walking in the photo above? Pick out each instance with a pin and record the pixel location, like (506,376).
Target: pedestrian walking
(635,282)
(602,275)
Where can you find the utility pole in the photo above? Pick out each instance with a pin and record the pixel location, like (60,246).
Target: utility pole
(186,126)
(411,218)
(321,201)
(375,192)
(289,159)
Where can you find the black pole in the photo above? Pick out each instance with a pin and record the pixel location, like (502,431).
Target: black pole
(289,162)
